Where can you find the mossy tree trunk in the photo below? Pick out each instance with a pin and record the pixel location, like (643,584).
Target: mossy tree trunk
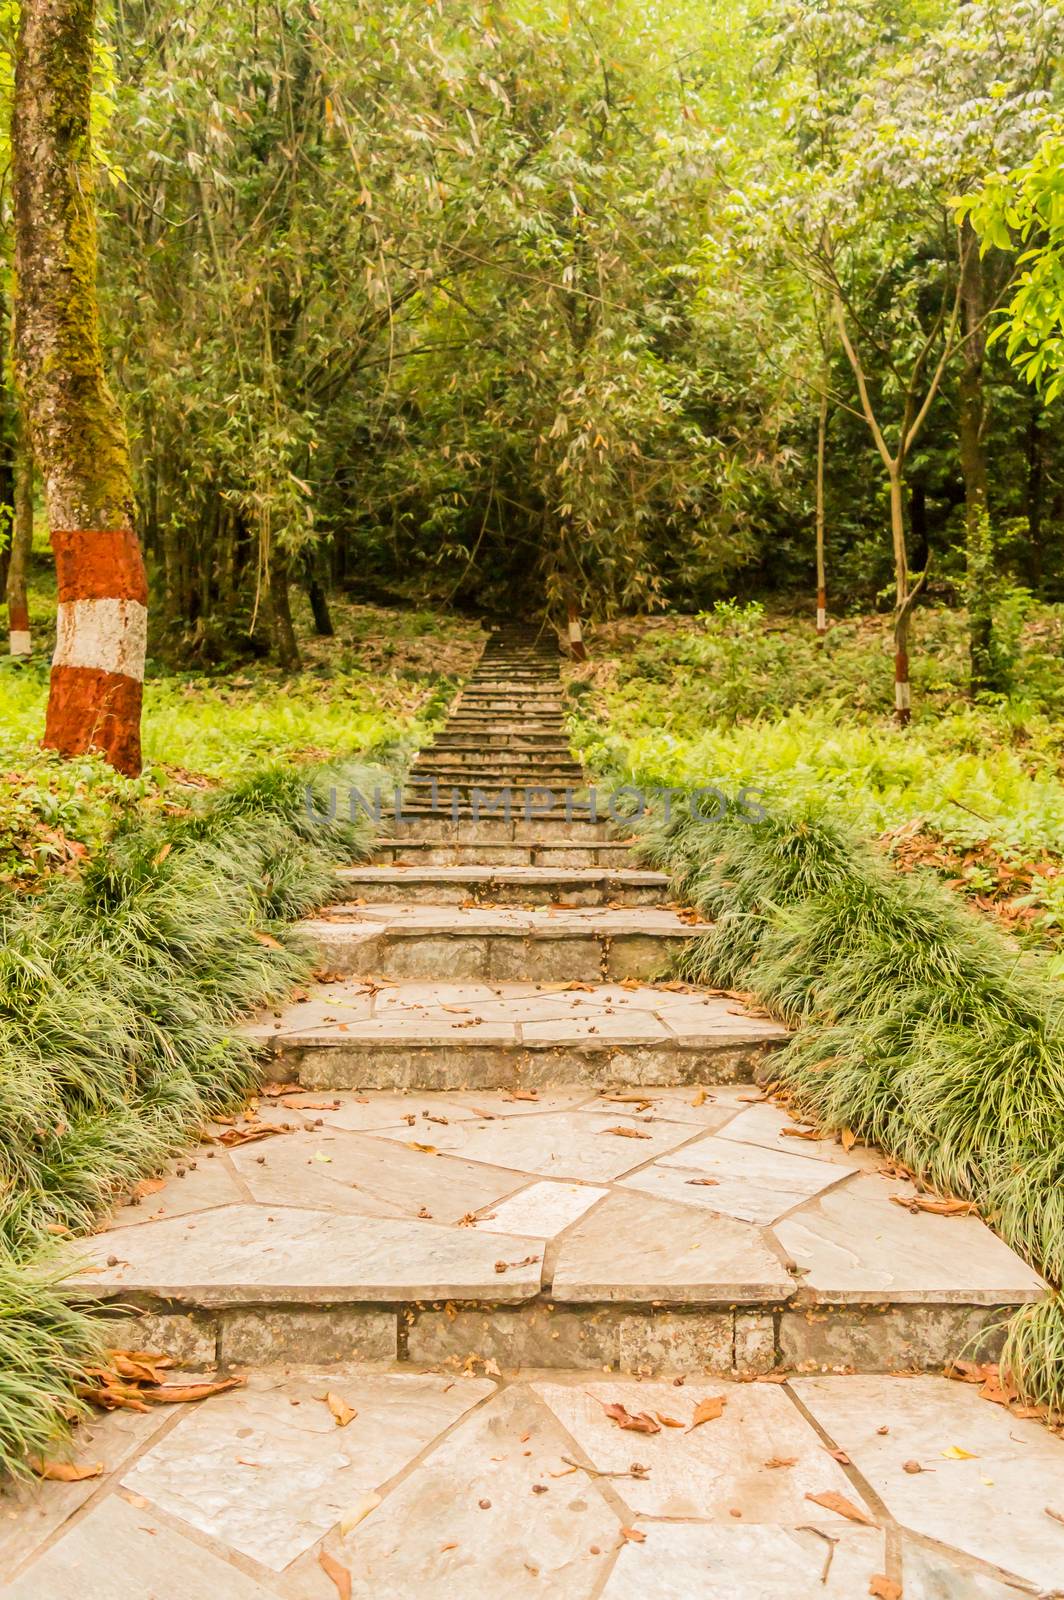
(75,425)
(20,638)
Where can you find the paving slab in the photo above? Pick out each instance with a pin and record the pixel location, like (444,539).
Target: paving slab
(632,1248)
(989,1504)
(747,1182)
(267,1471)
(710,1471)
(127,1552)
(247,1254)
(679,1561)
(562,1144)
(542,1210)
(855,1244)
(469,1521)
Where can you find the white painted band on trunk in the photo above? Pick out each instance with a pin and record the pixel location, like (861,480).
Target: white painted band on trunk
(901,697)
(107,635)
(821,618)
(575,634)
(20,643)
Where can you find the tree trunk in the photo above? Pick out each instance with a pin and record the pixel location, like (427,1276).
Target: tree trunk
(971,433)
(821,575)
(75,426)
(319,600)
(1034,496)
(18,611)
(284,634)
(577,647)
(902,602)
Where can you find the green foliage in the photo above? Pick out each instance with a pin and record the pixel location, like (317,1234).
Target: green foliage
(732,700)
(118,992)
(918,1027)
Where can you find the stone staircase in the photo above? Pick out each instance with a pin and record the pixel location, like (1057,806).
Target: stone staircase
(499,1132)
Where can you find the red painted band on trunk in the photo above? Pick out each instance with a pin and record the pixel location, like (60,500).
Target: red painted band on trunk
(822,599)
(93,710)
(103,564)
(901,666)
(18,618)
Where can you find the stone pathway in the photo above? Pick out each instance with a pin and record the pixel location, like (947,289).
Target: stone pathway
(508,1174)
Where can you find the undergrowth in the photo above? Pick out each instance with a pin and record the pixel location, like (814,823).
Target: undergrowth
(119,986)
(919,1027)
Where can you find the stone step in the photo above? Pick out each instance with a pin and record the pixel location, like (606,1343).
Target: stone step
(525,775)
(538,852)
(455,885)
(515,738)
(491,943)
(438,1035)
(419,820)
(678,1232)
(471,758)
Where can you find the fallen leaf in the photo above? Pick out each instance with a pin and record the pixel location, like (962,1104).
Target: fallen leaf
(699,1096)
(147,1186)
(361,1508)
(884,1588)
(634,1535)
(337,1574)
(564,1473)
(708,1410)
(426,1149)
(956,1452)
(452,1545)
(704,1183)
(1058,1516)
(342,1412)
(641,1422)
(799,1133)
(267,939)
(840,1456)
(238,1136)
(526,1094)
(831,1500)
(273,1091)
(65,1471)
(667,1422)
(937,1205)
(848,1138)
(626,1133)
(781,1461)
(181,1394)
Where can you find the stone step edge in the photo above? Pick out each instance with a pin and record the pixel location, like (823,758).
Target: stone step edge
(745,1339)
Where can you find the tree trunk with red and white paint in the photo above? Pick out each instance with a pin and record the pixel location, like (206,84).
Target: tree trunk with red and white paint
(20,638)
(75,425)
(577,648)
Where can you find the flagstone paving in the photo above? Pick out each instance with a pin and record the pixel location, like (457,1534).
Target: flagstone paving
(525,1485)
(501,1185)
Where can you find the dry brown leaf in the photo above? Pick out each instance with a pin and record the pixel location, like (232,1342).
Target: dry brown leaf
(338,1575)
(182,1394)
(840,1456)
(147,1186)
(426,1149)
(267,939)
(668,1422)
(626,1133)
(699,1097)
(936,1204)
(781,1461)
(799,1133)
(1058,1516)
(704,1183)
(342,1412)
(634,1535)
(831,1500)
(884,1588)
(523,1094)
(641,1422)
(65,1471)
(848,1138)
(273,1091)
(232,1137)
(708,1410)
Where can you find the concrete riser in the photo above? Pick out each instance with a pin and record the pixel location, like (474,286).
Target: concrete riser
(486,830)
(375,1064)
(722,1341)
(501,958)
(504,894)
(443,853)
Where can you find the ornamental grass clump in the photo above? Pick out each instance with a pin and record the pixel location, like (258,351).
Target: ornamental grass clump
(119,989)
(919,1027)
